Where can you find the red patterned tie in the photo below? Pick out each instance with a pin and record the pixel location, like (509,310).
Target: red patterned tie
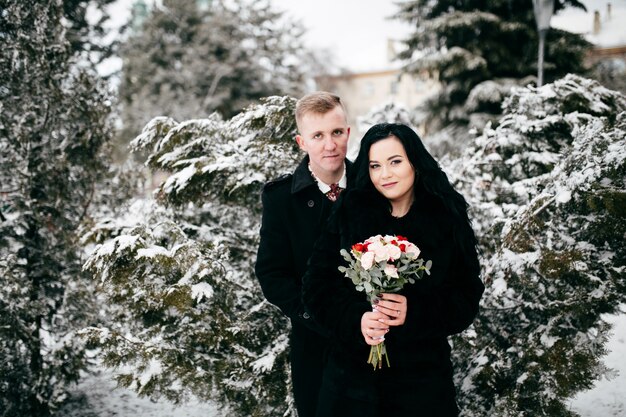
(334,192)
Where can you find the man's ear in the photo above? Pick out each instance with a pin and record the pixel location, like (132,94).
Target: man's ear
(348,132)
(300,142)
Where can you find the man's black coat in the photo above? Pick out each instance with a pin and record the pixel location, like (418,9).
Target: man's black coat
(294,213)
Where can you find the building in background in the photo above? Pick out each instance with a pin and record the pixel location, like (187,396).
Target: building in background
(602,25)
(362,91)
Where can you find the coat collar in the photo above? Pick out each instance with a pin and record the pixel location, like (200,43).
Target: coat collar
(302,177)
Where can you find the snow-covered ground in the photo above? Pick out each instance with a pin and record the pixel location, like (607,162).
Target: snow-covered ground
(608,396)
(100,398)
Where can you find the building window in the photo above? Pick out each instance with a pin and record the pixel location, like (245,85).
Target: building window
(420,85)
(393,88)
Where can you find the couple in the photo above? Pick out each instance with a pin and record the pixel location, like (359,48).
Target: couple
(394,187)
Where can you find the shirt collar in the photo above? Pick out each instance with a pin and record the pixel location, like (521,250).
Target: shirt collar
(324,188)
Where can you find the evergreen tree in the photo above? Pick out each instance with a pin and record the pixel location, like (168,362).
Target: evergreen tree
(53,125)
(465,43)
(190,318)
(548,196)
(188,61)
(88,38)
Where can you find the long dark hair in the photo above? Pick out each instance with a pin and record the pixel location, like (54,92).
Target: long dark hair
(430,181)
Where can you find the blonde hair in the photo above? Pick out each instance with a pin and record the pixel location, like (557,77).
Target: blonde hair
(319,102)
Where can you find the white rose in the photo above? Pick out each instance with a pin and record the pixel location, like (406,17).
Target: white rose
(412,250)
(373,239)
(379,250)
(367,260)
(389,239)
(393,252)
(391,271)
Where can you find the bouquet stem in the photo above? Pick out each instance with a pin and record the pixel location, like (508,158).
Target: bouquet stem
(376,356)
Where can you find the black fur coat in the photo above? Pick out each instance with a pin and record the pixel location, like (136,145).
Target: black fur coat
(440,304)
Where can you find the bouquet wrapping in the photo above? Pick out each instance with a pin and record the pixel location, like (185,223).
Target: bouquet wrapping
(383,264)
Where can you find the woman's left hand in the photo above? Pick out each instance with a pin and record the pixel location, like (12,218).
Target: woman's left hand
(392,305)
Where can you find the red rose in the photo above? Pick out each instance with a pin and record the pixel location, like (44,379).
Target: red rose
(401,237)
(402,247)
(359,247)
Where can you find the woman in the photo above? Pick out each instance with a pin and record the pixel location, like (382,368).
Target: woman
(397,189)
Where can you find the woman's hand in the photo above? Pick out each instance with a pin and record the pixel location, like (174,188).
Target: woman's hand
(393,306)
(372,327)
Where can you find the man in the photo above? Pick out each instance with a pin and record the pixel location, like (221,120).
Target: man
(295,208)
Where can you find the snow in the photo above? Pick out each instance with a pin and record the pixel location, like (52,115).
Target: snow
(154,368)
(97,396)
(152,251)
(120,243)
(180,179)
(563,195)
(548,341)
(607,397)
(201,290)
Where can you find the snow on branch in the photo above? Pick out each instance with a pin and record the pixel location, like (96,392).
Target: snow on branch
(547,191)
(228,160)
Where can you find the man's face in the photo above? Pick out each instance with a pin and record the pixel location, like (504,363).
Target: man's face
(324,137)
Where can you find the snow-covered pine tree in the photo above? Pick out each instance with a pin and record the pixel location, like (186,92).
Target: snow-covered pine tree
(464,43)
(88,29)
(53,125)
(189,59)
(190,318)
(384,113)
(548,196)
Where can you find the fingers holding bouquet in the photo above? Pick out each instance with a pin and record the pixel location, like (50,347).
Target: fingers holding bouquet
(373,328)
(394,306)
(380,266)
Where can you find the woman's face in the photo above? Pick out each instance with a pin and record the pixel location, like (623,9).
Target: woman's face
(391,172)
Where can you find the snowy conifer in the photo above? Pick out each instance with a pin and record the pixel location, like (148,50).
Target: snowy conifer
(547,191)
(464,43)
(187,61)
(53,126)
(190,318)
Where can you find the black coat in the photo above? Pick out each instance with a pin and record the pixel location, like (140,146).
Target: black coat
(294,213)
(419,381)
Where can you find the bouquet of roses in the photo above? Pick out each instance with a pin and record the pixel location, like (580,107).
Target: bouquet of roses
(383,264)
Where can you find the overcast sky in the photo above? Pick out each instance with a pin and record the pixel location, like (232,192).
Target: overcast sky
(356,31)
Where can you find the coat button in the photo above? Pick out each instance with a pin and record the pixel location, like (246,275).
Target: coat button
(306,315)
(311,203)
